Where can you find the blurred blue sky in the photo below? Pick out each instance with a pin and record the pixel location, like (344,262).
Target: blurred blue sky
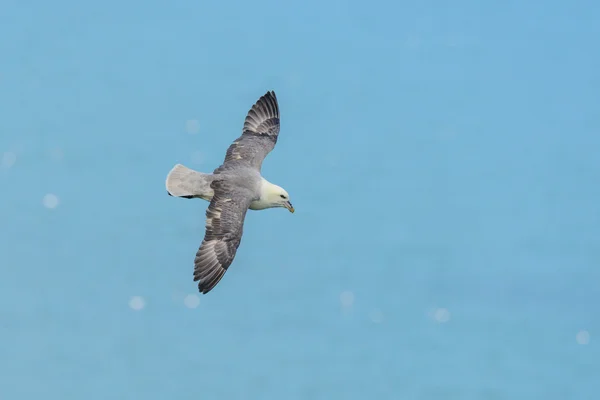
(443,159)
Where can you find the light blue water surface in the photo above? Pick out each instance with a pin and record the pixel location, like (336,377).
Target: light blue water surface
(440,155)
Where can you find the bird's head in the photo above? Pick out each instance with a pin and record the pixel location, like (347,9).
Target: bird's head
(276,196)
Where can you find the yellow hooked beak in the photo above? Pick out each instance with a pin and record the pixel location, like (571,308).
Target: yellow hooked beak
(289,206)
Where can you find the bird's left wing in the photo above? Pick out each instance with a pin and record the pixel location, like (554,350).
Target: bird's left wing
(224,228)
(259,136)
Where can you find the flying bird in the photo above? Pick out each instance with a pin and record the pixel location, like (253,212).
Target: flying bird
(233,188)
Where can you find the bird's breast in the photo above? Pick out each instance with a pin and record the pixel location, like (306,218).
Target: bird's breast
(258,205)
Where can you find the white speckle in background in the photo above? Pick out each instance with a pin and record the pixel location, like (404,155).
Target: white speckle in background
(8,159)
(376,315)
(197,157)
(137,303)
(347,298)
(583,337)
(191,301)
(192,126)
(50,201)
(56,154)
(441,315)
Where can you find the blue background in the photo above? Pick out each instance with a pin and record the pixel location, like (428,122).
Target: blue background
(440,155)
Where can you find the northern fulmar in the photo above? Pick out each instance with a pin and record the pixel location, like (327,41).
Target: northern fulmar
(233,188)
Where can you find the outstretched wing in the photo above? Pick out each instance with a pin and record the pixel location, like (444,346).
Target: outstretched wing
(224,228)
(259,136)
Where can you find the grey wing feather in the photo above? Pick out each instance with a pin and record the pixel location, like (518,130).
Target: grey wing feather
(259,136)
(224,228)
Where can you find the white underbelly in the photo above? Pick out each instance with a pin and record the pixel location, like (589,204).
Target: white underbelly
(258,205)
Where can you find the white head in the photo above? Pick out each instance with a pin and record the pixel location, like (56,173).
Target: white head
(275,196)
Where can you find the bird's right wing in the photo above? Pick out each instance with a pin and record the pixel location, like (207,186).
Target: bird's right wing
(224,228)
(259,136)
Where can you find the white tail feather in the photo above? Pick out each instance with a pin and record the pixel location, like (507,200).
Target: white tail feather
(185,182)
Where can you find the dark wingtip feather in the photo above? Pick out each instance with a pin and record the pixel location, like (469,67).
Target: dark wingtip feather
(206,285)
(263,117)
(271,93)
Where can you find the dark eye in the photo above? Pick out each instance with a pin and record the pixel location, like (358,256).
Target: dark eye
(282,196)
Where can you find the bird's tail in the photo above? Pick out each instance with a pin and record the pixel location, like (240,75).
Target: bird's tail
(187,183)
